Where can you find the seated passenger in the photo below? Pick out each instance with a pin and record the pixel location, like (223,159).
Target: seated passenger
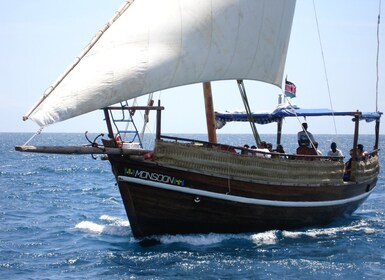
(263,145)
(269,146)
(279,149)
(303,150)
(334,152)
(261,152)
(245,151)
(361,154)
(347,167)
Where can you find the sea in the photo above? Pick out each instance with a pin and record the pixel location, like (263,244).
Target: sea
(61,217)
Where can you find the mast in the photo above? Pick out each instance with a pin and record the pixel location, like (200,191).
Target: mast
(209,108)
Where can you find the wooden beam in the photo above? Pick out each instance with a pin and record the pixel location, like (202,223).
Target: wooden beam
(108,122)
(79,150)
(134,108)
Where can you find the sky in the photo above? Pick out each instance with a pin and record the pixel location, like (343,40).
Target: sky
(41,38)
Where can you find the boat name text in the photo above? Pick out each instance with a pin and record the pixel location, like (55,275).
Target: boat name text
(157,177)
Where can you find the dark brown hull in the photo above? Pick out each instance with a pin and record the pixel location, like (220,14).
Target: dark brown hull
(162,200)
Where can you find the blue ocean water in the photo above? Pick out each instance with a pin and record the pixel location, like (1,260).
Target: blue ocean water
(61,217)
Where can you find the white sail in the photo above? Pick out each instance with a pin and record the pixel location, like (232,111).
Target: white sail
(156,45)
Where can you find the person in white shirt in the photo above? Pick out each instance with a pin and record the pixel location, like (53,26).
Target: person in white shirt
(334,152)
(305,138)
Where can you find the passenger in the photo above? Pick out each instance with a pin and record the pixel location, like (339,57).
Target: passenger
(245,149)
(361,154)
(253,147)
(269,146)
(279,149)
(303,150)
(347,167)
(263,145)
(305,138)
(334,152)
(261,152)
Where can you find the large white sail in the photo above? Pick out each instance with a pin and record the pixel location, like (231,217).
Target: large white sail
(155,45)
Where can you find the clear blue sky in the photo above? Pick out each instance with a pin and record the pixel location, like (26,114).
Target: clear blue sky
(40,38)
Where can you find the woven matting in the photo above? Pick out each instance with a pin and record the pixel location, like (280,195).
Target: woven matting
(248,167)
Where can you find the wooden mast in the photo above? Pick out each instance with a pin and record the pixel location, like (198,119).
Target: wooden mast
(210,117)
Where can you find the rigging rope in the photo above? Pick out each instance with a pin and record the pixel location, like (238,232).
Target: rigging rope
(378,51)
(33,136)
(324,64)
(303,129)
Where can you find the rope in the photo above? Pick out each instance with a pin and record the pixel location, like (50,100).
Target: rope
(378,52)
(324,64)
(33,136)
(311,142)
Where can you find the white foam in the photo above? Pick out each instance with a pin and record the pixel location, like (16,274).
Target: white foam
(199,239)
(265,238)
(331,232)
(115,220)
(91,227)
(115,226)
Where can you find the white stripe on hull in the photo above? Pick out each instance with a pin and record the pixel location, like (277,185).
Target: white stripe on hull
(240,199)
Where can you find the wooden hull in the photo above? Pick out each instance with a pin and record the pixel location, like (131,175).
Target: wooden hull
(163,200)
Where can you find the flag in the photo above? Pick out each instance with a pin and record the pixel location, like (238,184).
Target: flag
(290,89)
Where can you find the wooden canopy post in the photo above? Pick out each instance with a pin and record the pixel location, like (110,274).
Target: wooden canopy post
(158,121)
(210,116)
(377,133)
(355,143)
(279,132)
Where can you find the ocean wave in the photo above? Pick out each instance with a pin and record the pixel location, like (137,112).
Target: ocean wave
(360,226)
